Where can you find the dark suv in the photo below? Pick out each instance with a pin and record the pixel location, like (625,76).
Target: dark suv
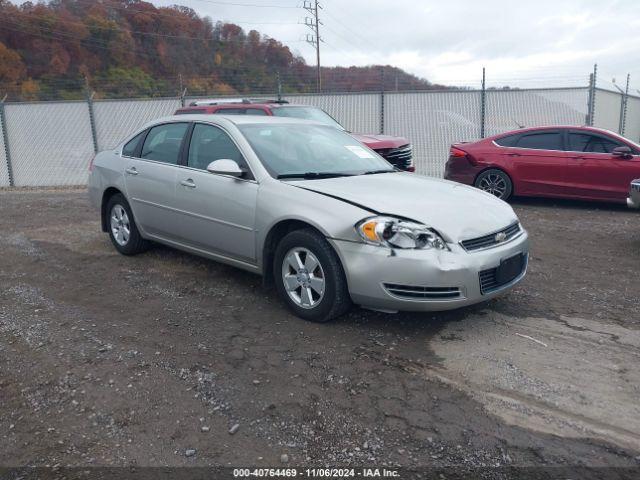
(396,150)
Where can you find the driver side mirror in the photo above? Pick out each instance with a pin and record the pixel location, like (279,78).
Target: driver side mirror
(623,152)
(226,166)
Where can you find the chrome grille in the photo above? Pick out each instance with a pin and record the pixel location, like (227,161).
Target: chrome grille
(401,157)
(416,292)
(492,239)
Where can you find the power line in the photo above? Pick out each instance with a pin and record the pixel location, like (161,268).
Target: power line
(256,5)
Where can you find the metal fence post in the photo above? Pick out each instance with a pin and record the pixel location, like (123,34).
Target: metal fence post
(591,101)
(92,118)
(183,91)
(623,107)
(483,104)
(5,137)
(381,100)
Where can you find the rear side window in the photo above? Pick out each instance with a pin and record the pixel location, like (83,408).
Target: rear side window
(541,141)
(255,111)
(163,143)
(508,141)
(584,142)
(230,111)
(129,150)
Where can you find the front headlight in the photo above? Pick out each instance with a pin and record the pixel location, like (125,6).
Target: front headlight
(398,233)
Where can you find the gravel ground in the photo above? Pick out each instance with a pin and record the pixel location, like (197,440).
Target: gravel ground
(166,359)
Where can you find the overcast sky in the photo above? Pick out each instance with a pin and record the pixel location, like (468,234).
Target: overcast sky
(528,43)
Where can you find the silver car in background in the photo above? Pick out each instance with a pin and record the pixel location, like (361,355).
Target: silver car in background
(308,207)
(633,201)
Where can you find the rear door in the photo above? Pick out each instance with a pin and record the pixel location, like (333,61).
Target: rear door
(538,162)
(594,172)
(150,179)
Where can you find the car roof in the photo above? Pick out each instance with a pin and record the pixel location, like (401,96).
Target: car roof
(222,106)
(553,127)
(238,119)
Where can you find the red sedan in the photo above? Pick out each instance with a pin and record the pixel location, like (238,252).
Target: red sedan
(563,162)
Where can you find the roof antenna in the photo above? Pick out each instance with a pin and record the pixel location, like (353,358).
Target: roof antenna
(517,123)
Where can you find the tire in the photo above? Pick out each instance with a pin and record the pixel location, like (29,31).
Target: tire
(119,220)
(495,182)
(320,292)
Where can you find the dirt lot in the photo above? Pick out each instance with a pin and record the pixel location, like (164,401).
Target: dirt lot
(108,360)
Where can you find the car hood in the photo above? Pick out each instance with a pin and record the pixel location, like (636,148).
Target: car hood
(376,142)
(456,211)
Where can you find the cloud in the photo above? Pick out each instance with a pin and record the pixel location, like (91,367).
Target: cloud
(450,41)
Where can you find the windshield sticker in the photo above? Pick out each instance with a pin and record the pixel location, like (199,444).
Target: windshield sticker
(359,151)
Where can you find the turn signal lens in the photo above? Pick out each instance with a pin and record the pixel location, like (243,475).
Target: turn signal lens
(369,231)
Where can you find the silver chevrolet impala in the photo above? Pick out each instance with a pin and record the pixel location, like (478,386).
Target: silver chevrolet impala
(323,217)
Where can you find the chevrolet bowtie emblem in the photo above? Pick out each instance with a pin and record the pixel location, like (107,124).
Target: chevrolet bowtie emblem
(500,237)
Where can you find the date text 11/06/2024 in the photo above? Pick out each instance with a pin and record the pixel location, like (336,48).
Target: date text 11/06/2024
(316,472)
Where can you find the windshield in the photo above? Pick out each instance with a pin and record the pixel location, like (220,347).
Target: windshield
(307,113)
(311,151)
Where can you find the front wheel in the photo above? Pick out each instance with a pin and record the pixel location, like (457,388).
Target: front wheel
(496,182)
(309,276)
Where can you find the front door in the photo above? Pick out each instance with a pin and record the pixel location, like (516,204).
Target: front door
(218,211)
(594,172)
(150,179)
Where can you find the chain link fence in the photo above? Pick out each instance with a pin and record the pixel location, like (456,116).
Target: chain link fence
(115,119)
(52,143)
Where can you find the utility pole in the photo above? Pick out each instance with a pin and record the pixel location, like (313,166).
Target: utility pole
(312,6)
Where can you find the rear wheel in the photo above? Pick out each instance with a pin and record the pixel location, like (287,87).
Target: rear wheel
(122,228)
(309,276)
(496,182)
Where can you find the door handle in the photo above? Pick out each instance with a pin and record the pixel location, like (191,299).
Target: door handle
(514,154)
(188,183)
(131,171)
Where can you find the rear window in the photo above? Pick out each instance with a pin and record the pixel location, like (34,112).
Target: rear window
(189,111)
(508,141)
(541,141)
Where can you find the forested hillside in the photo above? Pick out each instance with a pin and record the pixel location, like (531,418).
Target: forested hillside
(122,48)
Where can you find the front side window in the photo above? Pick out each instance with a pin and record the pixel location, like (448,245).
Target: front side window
(209,143)
(163,143)
(584,142)
(308,150)
(129,150)
(307,113)
(541,141)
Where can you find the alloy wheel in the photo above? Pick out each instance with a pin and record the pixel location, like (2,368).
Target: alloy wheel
(120,225)
(303,277)
(494,184)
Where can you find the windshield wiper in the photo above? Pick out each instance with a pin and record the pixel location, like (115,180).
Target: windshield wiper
(314,175)
(374,172)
